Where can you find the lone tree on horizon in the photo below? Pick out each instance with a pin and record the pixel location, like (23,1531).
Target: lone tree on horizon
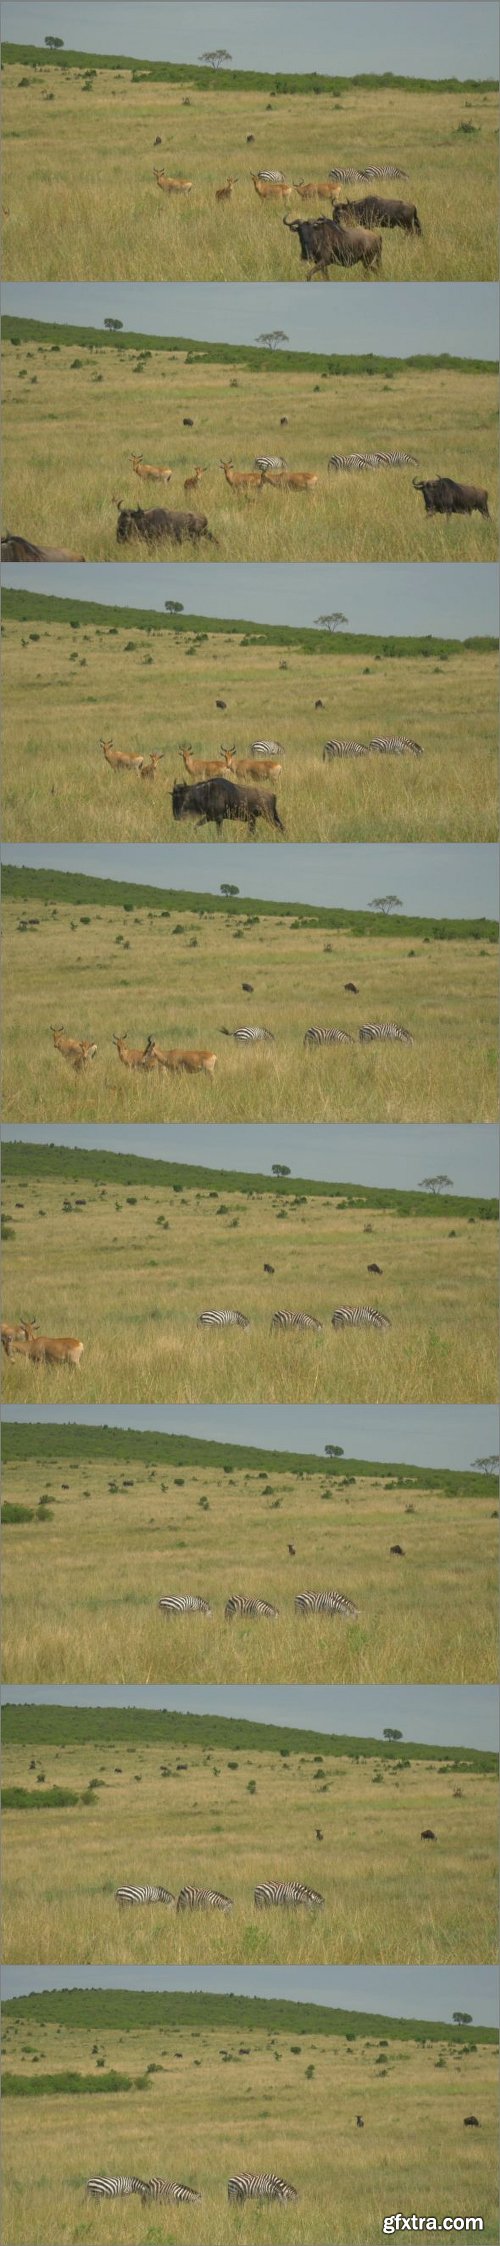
(439,1184)
(174,607)
(385,904)
(392,1734)
(331,623)
(462,2019)
(333,1450)
(279,1170)
(486,1465)
(113,326)
(272,338)
(51,42)
(229,889)
(215,57)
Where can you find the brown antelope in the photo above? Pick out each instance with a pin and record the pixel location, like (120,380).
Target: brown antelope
(23,1331)
(147,771)
(271,191)
(172,186)
(130,1054)
(248,479)
(299,480)
(45,1349)
(121,760)
(191,482)
(195,1063)
(223,194)
(143,467)
(246,768)
(76,1050)
(308,188)
(205,768)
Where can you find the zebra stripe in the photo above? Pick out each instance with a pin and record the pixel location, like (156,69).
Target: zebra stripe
(203,1899)
(143,1895)
(260,2187)
(266,748)
(157,2189)
(288,1892)
(355,460)
(396,744)
(373,1031)
(269,460)
(253,1607)
(373,171)
(279,176)
(250,1036)
(324,1602)
(345,748)
(222,1318)
(186,1603)
(327,1037)
(296,1321)
(361,1315)
(114,2187)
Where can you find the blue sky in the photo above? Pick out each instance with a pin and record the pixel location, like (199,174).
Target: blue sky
(395,318)
(452,880)
(421,1434)
(453,600)
(434,1715)
(417,39)
(399,1155)
(418,1992)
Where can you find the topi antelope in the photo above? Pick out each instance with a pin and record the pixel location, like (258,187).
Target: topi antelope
(147,769)
(130,1054)
(205,768)
(247,768)
(223,194)
(172,186)
(46,1349)
(23,1331)
(248,479)
(302,479)
(271,190)
(308,188)
(121,760)
(191,482)
(76,1050)
(195,1063)
(143,467)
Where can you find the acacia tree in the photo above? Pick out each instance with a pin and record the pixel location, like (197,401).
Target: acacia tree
(279,1170)
(392,1734)
(174,607)
(229,889)
(113,326)
(272,338)
(462,2019)
(333,1450)
(215,57)
(486,1465)
(385,904)
(439,1184)
(52,43)
(331,623)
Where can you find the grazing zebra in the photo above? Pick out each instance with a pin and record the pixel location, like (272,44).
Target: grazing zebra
(373,171)
(143,1895)
(287,1892)
(296,1321)
(269,460)
(324,1602)
(186,1603)
(158,2189)
(203,1899)
(371,1031)
(260,2187)
(222,1318)
(362,1315)
(396,744)
(253,1607)
(114,2187)
(352,460)
(250,1036)
(327,1037)
(345,748)
(278,177)
(266,748)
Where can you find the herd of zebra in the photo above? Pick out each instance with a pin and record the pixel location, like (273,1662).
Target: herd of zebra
(268,1895)
(256,1610)
(245,2186)
(370,1033)
(297,1321)
(384,744)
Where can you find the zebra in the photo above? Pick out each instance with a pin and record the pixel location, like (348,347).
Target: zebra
(361,1315)
(327,1037)
(222,1318)
(373,171)
(250,1036)
(269,460)
(371,1031)
(260,2187)
(324,1602)
(396,744)
(345,748)
(288,1892)
(125,1895)
(157,2188)
(186,1603)
(203,1899)
(114,2187)
(347,461)
(266,748)
(296,1321)
(278,177)
(253,1607)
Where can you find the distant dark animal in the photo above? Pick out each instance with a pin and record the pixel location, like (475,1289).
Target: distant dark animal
(352,986)
(399,1549)
(152,524)
(283,421)
(247,986)
(378,1267)
(445,497)
(359,2121)
(221,705)
(427,1834)
(213,801)
(319,705)
(373,210)
(471,2121)
(269,1267)
(158,142)
(323,242)
(19,549)
(187,423)
(250,136)
(292,1550)
(319,1835)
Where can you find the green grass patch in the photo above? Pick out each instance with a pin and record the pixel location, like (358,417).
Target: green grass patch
(69,2085)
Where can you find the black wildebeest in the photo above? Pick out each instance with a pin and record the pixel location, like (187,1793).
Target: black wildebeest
(153,524)
(375,210)
(219,799)
(20,549)
(323,242)
(471,2121)
(427,1834)
(445,497)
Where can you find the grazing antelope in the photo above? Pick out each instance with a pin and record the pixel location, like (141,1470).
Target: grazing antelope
(23,1331)
(246,768)
(172,186)
(205,768)
(147,770)
(195,1063)
(308,188)
(121,760)
(76,1050)
(223,194)
(248,479)
(191,482)
(271,190)
(143,467)
(45,1349)
(130,1054)
(298,480)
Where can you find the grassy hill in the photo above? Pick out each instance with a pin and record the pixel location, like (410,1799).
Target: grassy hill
(217,80)
(51,886)
(130,2010)
(55,608)
(45,1439)
(25,1159)
(255,357)
(37,1725)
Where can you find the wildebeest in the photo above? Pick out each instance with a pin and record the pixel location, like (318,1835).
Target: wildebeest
(324,242)
(445,497)
(155,523)
(269,1267)
(352,986)
(427,1834)
(219,799)
(471,2121)
(375,1267)
(20,549)
(399,1549)
(375,210)
(359,2121)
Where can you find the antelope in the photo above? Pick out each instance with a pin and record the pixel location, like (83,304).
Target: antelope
(246,768)
(121,760)
(172,186)
(271,191)
(298,480)
(248,479)
(195,1063)
(147,771)
(308,188)
(205,768)
(44,1349)
(223,194)
(76,1050)
(130,1054)
(23,1331)
(143,467)
(191,482)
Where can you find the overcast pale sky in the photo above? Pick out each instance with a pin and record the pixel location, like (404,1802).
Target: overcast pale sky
(390,1154)
(452,600)
(416,39)
(432,1715)
(422,1434)
(447,880)
(395,317)
(412,1992)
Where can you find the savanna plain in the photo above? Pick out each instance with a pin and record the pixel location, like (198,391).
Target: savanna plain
(120,226)
(57,785)
(129,1271)
(183,2117)
(68,455)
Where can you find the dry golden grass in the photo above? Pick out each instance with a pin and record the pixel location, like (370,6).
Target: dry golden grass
(132,1290)
(67,455)
(83,205)
(201,2125)
(57,785)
